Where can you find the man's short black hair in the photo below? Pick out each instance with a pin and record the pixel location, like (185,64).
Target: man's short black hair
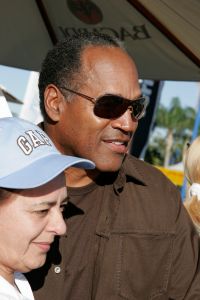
(63,62)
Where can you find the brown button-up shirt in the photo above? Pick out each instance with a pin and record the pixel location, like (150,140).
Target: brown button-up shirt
(129,237)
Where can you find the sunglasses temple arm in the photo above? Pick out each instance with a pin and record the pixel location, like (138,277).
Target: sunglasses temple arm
(79,94)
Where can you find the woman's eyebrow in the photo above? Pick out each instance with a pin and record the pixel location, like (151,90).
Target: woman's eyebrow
(48,203)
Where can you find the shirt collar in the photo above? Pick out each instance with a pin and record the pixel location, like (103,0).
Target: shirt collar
(129,169)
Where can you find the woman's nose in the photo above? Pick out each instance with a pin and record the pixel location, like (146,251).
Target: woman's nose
(57,224)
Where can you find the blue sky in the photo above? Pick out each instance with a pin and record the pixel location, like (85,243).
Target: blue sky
(15,81)
(188,92)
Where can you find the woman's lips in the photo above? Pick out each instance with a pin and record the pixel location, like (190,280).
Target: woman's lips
(43,246)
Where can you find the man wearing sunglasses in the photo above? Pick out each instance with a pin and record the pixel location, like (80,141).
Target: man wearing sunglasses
(129,236)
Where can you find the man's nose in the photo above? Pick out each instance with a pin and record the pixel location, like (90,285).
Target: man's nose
(125,122)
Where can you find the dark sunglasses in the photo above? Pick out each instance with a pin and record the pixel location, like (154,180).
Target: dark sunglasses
(111,106)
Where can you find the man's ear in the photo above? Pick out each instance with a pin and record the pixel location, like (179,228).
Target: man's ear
(53,101)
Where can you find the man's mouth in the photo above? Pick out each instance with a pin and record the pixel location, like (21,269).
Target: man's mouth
(117,146)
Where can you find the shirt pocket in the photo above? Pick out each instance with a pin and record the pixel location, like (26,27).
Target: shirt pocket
(143,265)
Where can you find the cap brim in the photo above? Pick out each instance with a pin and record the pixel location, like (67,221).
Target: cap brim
(42,171)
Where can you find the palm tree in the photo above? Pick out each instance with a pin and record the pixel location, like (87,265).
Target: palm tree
(176,120)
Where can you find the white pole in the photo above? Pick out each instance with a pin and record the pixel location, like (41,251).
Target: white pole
(4,108)
(30,109)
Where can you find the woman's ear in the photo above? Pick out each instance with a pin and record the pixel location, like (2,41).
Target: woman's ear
(53,101)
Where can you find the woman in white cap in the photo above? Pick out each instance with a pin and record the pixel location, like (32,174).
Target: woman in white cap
(32,197)
(192,174)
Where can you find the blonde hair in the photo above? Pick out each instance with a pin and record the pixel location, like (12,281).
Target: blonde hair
(192,174)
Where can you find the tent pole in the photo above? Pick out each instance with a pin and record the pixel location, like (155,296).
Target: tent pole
(47,22)
(164,30)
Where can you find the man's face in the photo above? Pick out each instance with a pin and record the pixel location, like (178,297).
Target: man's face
(82,133)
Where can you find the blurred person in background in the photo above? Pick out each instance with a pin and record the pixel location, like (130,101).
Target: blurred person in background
(192,174)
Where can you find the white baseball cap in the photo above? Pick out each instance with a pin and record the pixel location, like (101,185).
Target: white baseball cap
(28,158)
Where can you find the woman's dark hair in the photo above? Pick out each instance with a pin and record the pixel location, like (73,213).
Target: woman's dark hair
(5,193)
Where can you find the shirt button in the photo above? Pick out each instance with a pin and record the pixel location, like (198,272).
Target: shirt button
(57,270)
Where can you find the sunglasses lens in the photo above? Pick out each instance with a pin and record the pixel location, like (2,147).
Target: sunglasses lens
(138,108)
(111,106)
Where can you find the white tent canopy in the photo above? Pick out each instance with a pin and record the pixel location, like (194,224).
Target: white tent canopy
(163,36)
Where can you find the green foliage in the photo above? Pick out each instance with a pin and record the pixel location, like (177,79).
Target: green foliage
(155,152)
(176,120)
(175,117)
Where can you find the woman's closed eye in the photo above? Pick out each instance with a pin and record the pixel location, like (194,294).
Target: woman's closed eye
(42,212)
(63,206)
